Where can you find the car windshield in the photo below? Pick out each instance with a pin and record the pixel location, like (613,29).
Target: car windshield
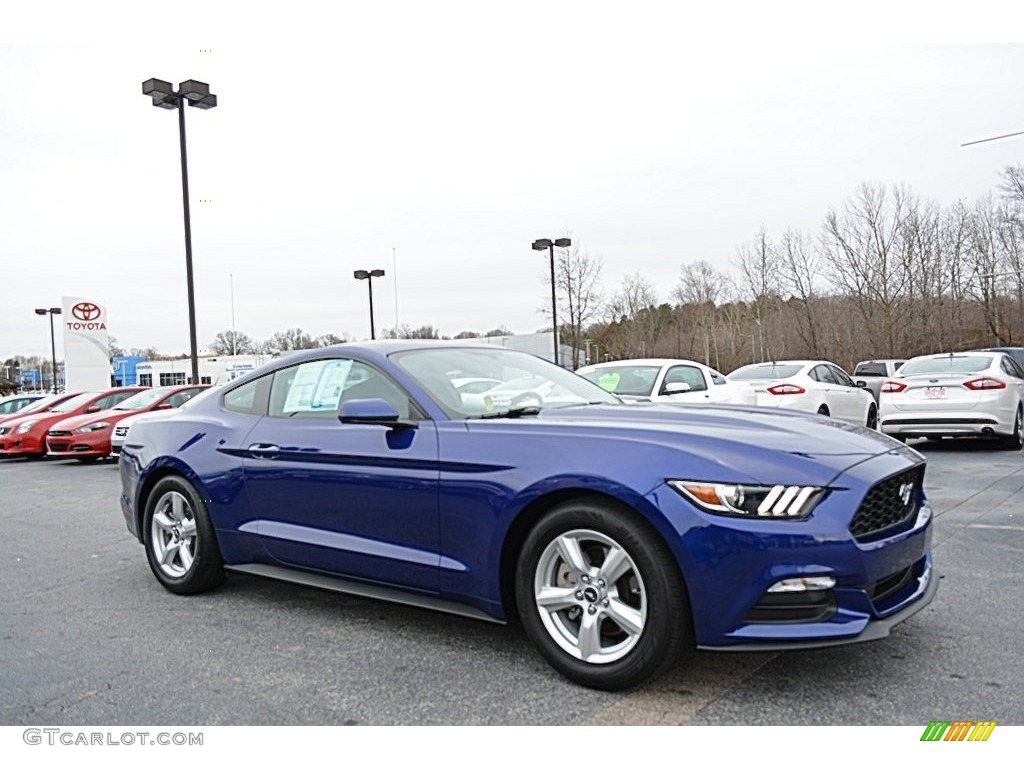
(769,372)
(636,380)
(525,381)
(69,405)
(143,399)
(947,364)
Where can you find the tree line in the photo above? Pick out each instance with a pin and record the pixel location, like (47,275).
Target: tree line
(887,274)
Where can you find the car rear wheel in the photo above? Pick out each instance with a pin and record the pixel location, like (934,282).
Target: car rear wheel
(601,597)
(823,410)
(180,542)
(1016,440)
(872,422)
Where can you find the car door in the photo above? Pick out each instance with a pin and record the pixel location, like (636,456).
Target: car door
(1014,376)
(356,500)
(851,400)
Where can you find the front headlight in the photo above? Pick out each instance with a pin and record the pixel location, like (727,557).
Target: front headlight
(93,427)
(778,502)
(25,427)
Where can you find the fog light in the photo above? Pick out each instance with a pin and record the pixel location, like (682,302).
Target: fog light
(803,584)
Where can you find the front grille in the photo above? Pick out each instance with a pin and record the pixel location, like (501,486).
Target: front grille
(889,505)
(57,447)
(59,433)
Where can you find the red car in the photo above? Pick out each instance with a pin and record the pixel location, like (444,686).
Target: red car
(43,404)
(26,436)
(86,437)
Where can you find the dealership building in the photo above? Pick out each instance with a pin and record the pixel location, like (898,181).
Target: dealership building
(217,369)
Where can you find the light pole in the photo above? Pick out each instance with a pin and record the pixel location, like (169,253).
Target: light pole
(53,343)
(540,245)
(368,275)
(197,94)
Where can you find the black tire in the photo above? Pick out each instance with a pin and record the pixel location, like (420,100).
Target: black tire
(203,569)
(651,589)
(1014,441)
(872,422)
(823,410)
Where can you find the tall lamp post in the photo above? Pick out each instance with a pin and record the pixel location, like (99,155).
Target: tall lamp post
(368,275)
(540,245)
(198,95)
(53,343)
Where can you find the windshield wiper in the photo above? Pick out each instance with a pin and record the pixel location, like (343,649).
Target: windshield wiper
(511,413)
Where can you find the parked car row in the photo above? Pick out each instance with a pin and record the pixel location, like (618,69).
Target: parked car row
(80,425)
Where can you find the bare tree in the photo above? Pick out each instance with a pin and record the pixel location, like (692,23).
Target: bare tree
(700,284)
(759,283)
(798,276)
(864,249)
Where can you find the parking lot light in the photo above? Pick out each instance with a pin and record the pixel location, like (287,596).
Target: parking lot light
(53,342)
(368,275)
(550,245)
(197,94)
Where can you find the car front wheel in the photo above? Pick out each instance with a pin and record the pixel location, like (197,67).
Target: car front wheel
(180,542)
(601,597)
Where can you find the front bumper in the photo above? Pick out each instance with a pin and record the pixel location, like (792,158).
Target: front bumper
(875,630)
(89,444)
(729,565)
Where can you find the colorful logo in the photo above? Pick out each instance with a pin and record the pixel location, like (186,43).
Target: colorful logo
(85,311)
(958,730)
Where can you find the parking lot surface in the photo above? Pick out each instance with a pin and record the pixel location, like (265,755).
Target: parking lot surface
(88,637)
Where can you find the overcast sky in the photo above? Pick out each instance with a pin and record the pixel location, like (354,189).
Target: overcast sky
(455,134)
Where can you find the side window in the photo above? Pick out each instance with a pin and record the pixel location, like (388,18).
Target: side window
(317,388)
(113,399)
(251,397)
(840,376)
(686,374)
(178,399)
(821,373)
(1009,366)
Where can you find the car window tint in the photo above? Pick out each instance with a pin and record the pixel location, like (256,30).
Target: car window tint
(251,397)
(840,376)
(685,374)
(109,401)
(317,388)
(870,369)
(821,373)
(1011,368)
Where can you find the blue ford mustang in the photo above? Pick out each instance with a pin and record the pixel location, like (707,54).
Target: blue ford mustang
(618,534)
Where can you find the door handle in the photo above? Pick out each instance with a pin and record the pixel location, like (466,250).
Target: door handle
(264,451)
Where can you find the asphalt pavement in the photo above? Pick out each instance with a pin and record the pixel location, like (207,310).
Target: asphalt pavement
(88,637)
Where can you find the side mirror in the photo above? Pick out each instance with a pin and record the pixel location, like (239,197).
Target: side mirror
(861,383)
(373,410)
(676,387)
(163,407)
(92,409)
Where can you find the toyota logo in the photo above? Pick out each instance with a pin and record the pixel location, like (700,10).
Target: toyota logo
(86,311)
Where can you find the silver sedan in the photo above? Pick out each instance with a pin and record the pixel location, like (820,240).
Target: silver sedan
(972,394)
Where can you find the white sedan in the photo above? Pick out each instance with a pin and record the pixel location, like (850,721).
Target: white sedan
(666,381)
(815,386)
(974,394)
